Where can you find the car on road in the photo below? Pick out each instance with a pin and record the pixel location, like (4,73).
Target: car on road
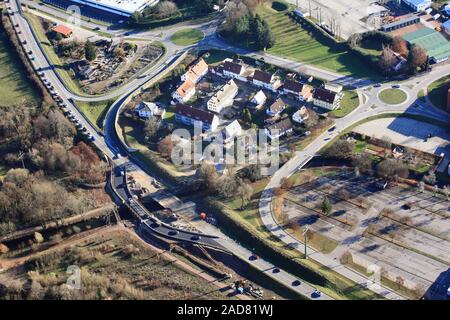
(253,257)
(196,237)
(296,283)
(24,42)
(173,232)
(396,86)
(275,270)
(96,28)
(377,85)
(30,52)
(316,294)
(332,129)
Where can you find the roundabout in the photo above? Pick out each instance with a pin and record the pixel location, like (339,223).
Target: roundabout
(393,96)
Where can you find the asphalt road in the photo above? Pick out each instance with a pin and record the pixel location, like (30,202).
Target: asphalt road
(111,145)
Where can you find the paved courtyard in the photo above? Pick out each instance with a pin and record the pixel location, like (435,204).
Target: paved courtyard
(408,132)
(400,230)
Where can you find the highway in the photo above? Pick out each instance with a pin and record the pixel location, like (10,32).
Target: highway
(112,147)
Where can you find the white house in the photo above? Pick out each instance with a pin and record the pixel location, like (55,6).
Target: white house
(146,110)
(300,115)
(266,80)
(184,92)
(258,100)
(232,131)
(190,116)
(234,70)
(196,72)
(326,99)
(279,129)
(223,98)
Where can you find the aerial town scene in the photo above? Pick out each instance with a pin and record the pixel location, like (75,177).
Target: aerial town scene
(234,150)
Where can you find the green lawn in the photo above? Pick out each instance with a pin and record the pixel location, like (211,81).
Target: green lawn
(215,57)
(309,46)
(187,37)
(95,111)
(14,85)
(349,102)
(392,96)
(437,92)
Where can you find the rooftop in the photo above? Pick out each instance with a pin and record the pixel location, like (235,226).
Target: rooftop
(436,45)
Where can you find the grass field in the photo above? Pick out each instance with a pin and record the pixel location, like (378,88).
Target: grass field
(116,266)
(296,43)
(349,102)
(14,85)
(95,112)
(392,96)
(437,92)
(187,37)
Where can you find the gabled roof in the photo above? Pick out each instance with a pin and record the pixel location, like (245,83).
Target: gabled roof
(65,31)
(233,129)
(259,97)
(185,87)
(232,67)
(194,113)
(283,125)
(277,106)
(200,67)
(262,76)
(324,95)
(292,85)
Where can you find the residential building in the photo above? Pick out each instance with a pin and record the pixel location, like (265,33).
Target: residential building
(232,131)
(147,110)
(276,108)
(63,30)
(337,88)
(418,5)
(223,98)
(196,72)
(326,99)
(301,91)
(300,115)
(279,129)
(233,70)
(184,92)
(266,80)
(190,116)
(258,100)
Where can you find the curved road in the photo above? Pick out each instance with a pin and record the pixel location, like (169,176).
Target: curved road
(301,158)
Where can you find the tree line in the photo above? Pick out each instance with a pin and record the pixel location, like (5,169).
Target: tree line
(244,25)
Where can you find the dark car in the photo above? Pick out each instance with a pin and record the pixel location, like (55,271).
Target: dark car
(296,283)
(173,232)
(195,238)
(275,270)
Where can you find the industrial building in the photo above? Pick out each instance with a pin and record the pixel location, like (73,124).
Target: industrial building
(434,43)
(401,23)
(120,7)
(418,5)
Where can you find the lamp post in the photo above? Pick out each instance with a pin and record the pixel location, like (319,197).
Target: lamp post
(305,240)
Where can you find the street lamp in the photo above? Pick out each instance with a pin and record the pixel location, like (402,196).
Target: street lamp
(305,236)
